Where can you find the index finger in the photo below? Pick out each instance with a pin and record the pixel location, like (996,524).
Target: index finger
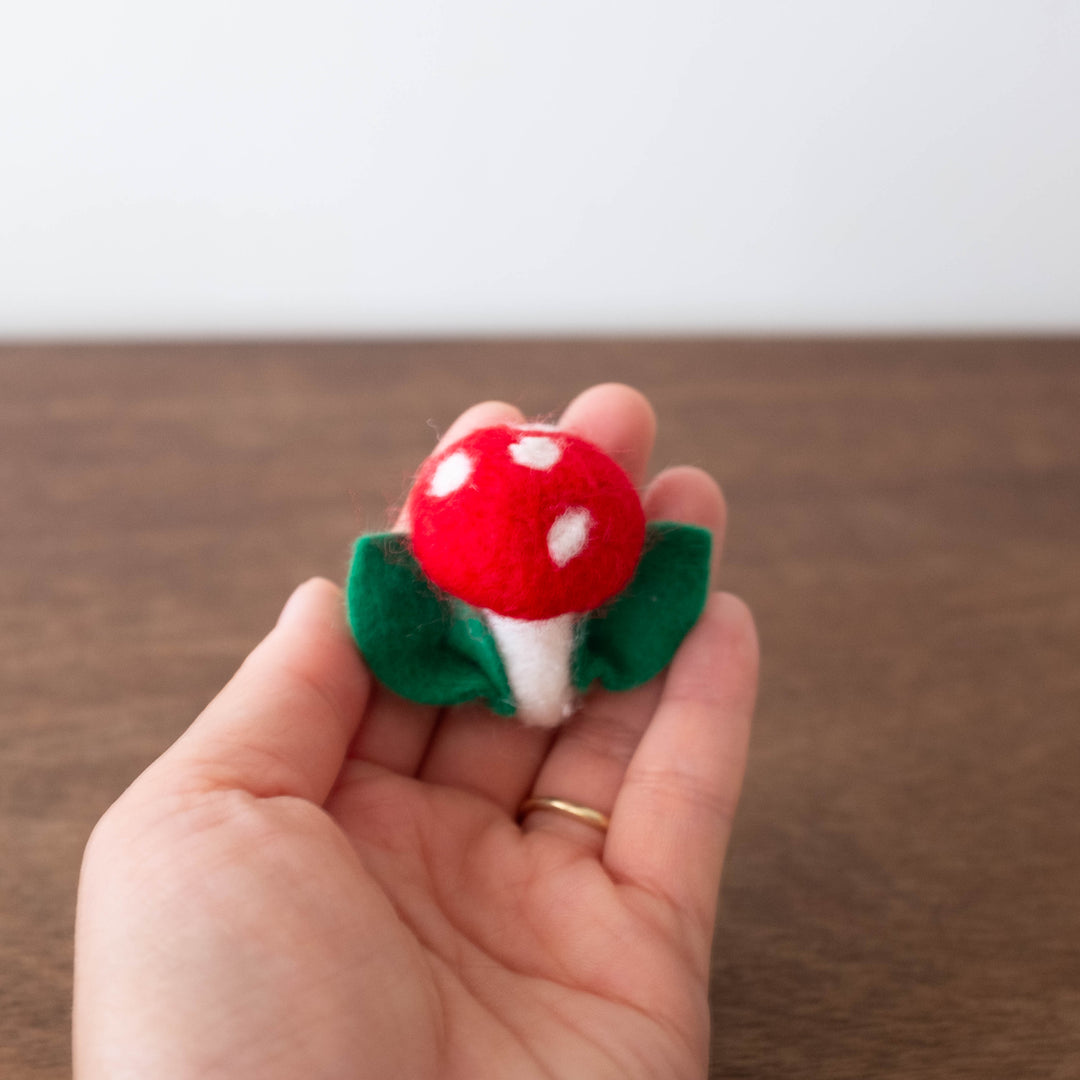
(282,724)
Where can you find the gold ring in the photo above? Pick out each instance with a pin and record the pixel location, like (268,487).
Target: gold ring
(585,814)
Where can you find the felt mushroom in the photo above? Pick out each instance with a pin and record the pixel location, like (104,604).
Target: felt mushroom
(529,575)
(534,527)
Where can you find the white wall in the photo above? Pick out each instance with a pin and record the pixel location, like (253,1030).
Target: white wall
(446,166)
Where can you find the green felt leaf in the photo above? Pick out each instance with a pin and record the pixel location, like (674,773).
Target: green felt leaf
(417,641)
(635,636)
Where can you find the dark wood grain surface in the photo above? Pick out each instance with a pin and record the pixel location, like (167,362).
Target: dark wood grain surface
(903,893)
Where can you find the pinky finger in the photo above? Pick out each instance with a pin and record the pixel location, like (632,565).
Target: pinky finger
(672,818)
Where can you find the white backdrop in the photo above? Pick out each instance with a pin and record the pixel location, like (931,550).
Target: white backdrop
(465,166)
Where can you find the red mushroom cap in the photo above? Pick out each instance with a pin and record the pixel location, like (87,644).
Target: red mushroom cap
(527,522)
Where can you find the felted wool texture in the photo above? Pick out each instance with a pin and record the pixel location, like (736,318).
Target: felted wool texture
(536,655)
(635,637)
(525,522)
(421,644)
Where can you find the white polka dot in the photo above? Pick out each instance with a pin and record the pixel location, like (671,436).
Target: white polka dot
(569,536)
(536,452)
(451,473)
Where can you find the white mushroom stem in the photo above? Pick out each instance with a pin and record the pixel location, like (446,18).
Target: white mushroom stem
(536,655)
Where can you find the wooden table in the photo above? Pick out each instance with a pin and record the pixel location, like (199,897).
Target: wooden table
(903,892)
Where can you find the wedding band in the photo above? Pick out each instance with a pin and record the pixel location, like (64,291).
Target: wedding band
(585,814)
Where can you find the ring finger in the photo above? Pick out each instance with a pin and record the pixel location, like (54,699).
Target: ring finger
(589,756)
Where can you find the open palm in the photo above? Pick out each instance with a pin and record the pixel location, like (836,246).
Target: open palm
(321,879)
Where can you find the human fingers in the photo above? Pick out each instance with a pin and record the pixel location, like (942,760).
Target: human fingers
(688,494)
(394,731)
(590,754)
(497,758)
(672,818)
(618,419)
(283,722)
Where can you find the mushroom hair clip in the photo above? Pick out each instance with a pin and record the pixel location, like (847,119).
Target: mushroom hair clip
(529,574)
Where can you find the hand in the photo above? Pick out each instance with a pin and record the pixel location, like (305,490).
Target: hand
(320,879)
